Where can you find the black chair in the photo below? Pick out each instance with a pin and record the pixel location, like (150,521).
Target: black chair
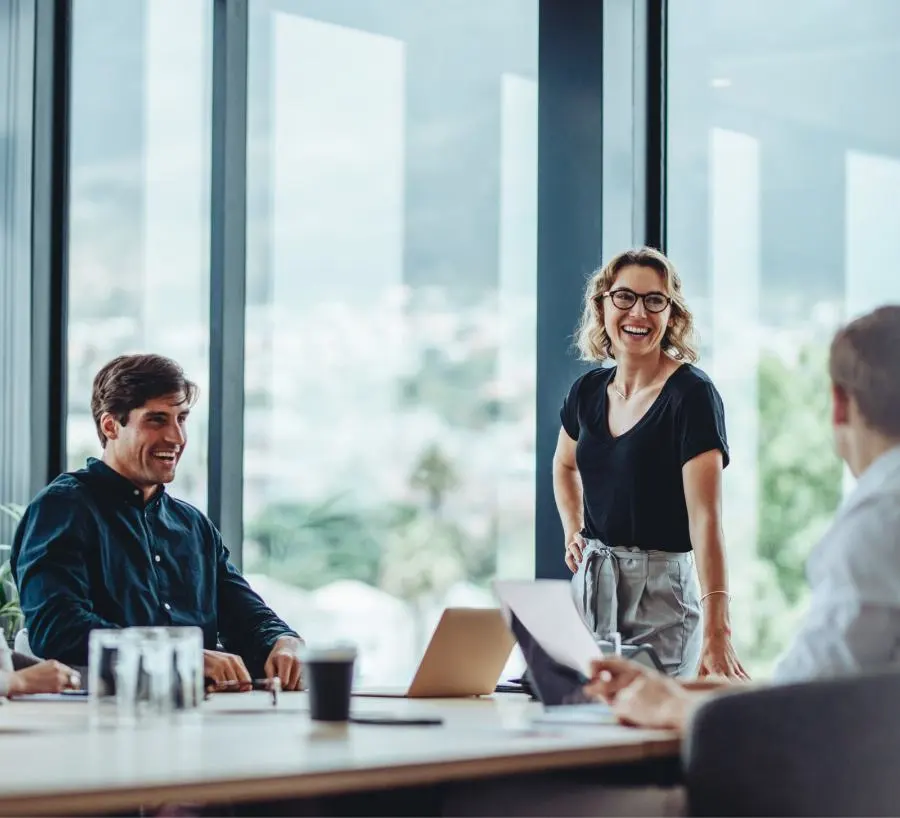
(820,748)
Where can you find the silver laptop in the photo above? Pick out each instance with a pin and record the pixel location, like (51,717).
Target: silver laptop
(465,657)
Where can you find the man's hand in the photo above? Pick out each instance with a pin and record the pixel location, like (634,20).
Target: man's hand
(638,695)
(44,677)
(655,701)
(284,662)
(610,676)
(575,546)
(225,667)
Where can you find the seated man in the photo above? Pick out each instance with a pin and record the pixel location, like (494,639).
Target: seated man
(107,547)
(853,622)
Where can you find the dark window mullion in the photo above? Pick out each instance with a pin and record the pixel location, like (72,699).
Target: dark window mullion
(50,229)
(227,271)
(656,123)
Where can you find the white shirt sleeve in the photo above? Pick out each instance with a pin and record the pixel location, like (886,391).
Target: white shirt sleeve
(4,682)
(853,622)
(840,637)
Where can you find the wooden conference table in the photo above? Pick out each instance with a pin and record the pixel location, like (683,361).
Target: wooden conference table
(240,748)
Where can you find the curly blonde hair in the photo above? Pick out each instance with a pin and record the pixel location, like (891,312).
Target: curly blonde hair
(679,340)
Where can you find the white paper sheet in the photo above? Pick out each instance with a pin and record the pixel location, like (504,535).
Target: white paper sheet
(546,608)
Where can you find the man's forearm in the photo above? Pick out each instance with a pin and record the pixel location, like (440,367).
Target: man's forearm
(705,684)
(681,708)
(289,641)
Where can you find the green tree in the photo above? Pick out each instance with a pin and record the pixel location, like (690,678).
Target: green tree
(434,475)
(425,551)
(800,475)
(314,544)
(800,488)
(459,390)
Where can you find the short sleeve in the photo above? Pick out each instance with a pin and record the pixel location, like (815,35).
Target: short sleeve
(568,415)
(702,422)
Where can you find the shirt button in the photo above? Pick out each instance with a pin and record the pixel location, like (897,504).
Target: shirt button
(167,606)
(156,558)
(137,492)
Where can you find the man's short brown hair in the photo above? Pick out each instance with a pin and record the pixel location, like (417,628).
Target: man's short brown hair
(129,381)
(865,363)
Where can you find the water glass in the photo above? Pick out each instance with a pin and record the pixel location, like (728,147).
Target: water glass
(144,673)
(187,667)
(151,687)
(112,672)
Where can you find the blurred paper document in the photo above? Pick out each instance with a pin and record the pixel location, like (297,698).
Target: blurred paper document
(546,608)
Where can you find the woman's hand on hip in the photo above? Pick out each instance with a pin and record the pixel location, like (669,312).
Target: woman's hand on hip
(718,658)
(575,546)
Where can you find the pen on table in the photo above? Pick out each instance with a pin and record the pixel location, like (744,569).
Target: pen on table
(272,686)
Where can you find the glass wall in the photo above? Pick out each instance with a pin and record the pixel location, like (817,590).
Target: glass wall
(390,324)
(783,167)
(17,21)
(139,206)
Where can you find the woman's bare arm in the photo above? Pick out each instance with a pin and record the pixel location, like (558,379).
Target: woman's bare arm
(567,490)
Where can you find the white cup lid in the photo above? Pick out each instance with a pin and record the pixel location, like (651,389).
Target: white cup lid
(328,653)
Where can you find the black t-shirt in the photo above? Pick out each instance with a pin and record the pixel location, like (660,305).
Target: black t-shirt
(633,488)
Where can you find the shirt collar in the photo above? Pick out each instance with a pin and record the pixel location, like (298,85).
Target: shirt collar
(884,468)
(121,486)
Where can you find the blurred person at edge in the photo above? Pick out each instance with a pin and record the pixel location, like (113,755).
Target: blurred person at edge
(637,473)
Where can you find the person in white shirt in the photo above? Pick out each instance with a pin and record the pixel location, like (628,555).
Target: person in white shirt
(853,622)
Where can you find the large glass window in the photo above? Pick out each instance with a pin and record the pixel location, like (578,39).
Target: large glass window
(390,335)
(139,205)
(783,167)
(17,21)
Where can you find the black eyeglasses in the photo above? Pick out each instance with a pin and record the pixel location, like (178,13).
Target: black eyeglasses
(625,299)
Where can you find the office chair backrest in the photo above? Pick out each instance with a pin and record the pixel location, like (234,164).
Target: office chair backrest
(21,644)
(821,748)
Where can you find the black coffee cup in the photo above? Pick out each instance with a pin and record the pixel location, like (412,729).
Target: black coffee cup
(328,675)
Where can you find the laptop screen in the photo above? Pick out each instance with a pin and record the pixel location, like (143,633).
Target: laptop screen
(553,683)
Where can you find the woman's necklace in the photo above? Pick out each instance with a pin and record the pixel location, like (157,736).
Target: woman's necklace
(622,395)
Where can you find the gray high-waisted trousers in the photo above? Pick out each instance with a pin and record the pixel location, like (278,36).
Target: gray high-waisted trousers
(648,597)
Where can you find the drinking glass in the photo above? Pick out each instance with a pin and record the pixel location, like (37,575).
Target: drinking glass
(153,692)
(187,667)
(113,664)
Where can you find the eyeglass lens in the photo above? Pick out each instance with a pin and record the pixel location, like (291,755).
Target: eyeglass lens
(625,300)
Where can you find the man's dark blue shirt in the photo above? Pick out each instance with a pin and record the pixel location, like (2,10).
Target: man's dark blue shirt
(89,553)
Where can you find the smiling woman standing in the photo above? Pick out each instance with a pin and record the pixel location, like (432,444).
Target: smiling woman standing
(637,473)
